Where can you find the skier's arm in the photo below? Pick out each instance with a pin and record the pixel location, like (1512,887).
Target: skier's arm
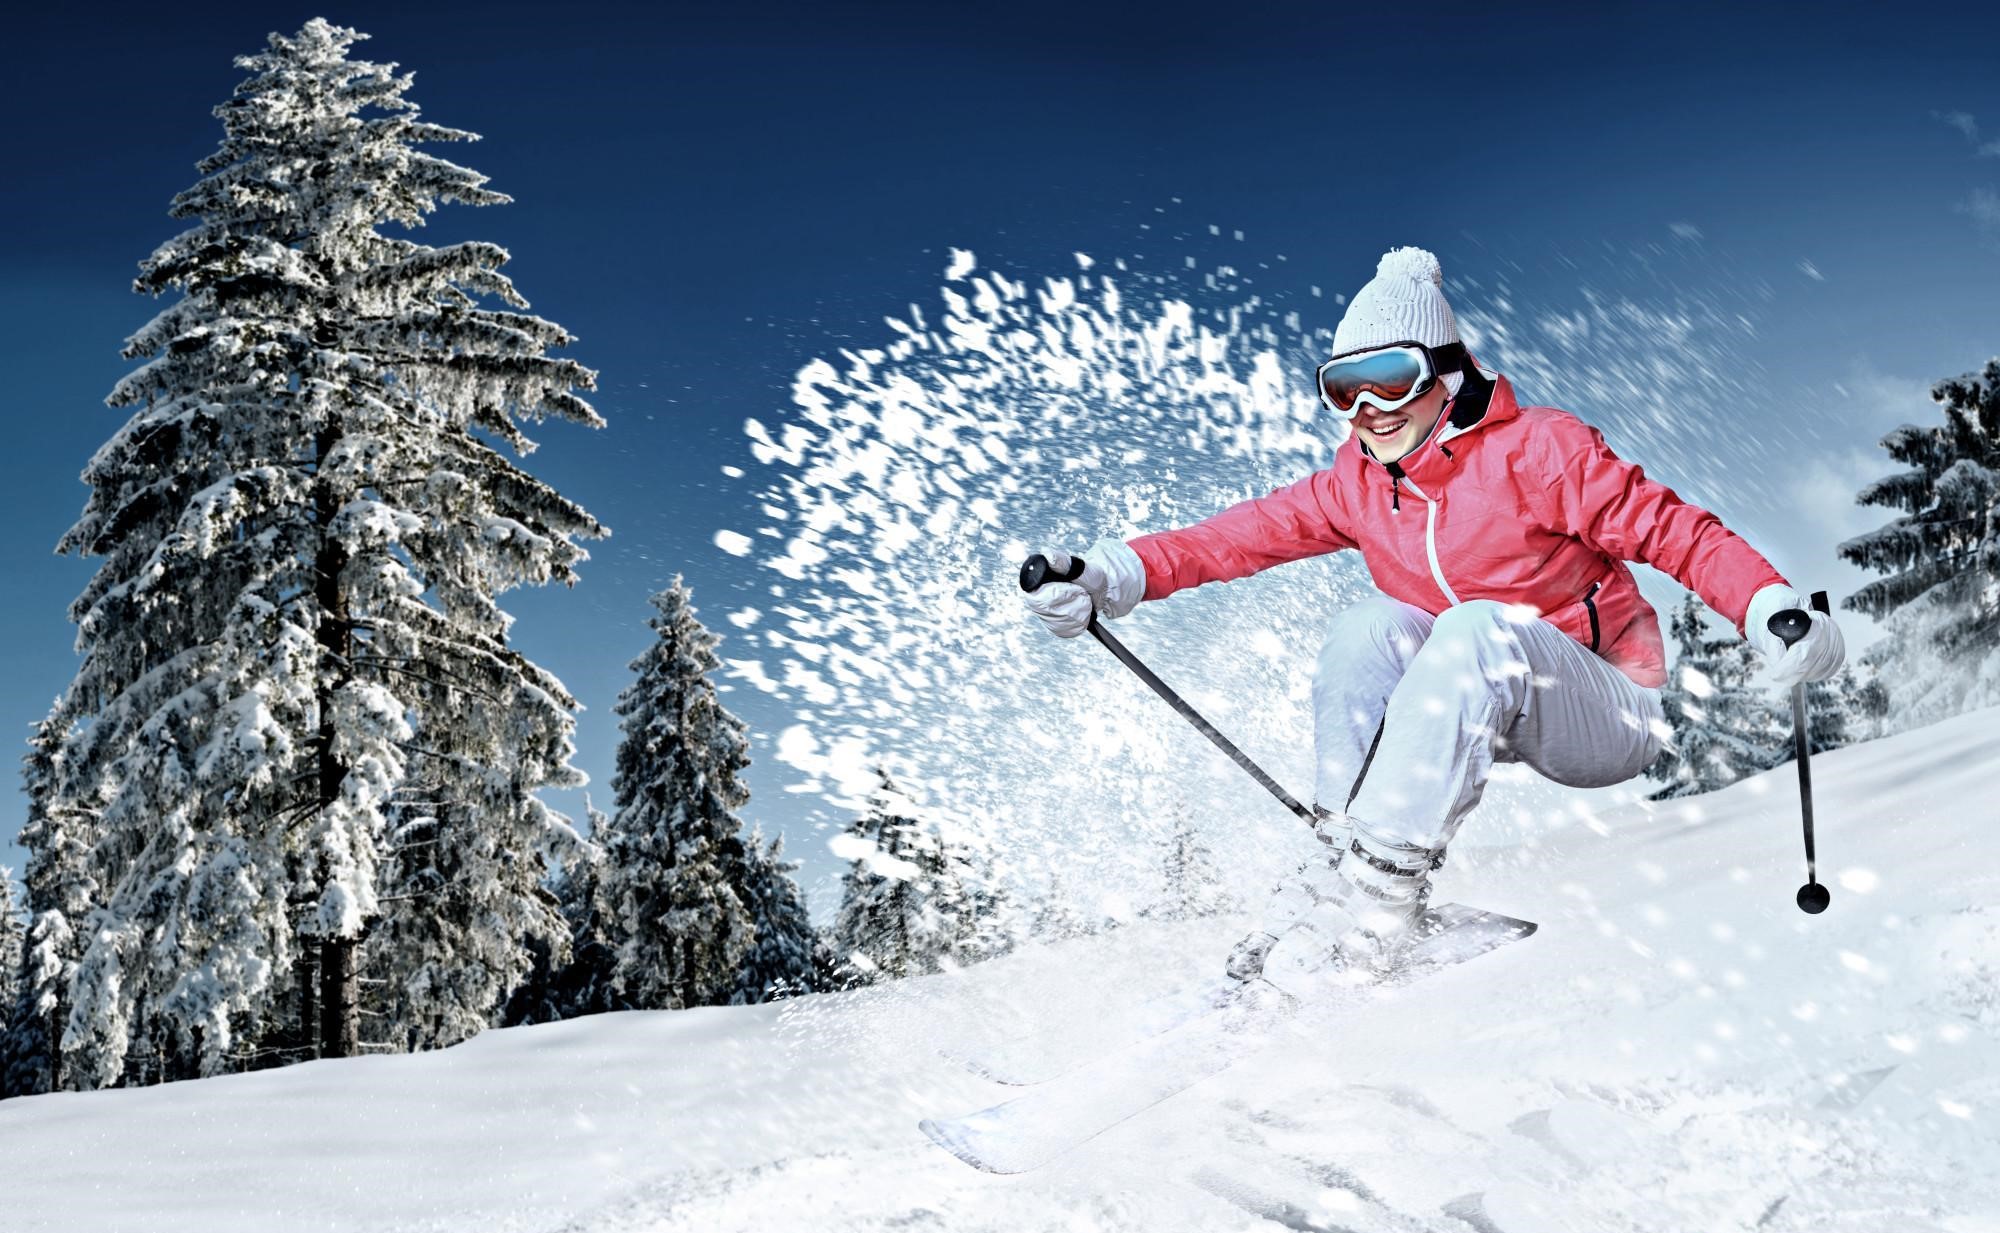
(1294,522)
(1610,504)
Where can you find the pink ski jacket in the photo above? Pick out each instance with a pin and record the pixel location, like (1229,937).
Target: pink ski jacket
(1525,505)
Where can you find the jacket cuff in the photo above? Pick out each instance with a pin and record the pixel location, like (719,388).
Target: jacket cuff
(1124,575)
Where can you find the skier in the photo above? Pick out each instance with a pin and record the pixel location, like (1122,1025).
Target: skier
(1509,627)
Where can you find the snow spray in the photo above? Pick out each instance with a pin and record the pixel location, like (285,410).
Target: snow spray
(897,494)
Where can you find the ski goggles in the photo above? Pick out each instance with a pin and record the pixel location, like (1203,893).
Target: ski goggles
(1388,377)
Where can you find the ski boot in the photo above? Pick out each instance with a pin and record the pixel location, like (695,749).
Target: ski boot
(1359,924)
(1295,896)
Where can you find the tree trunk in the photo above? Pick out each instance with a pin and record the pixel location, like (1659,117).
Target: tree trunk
(56,1022)
(686,981)
(340,1002)
(339,1031)
(306,968)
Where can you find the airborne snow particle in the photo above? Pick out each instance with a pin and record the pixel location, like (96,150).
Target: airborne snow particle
(1860,881)
(734,544)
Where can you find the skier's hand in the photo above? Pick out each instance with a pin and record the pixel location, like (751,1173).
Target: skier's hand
(1814,657)
(1112,582)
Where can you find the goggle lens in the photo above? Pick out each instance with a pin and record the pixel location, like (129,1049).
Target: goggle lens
(1389,375)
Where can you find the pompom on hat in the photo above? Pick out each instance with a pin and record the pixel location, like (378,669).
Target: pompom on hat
(1404,302)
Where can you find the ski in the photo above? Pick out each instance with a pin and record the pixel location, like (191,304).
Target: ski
(1034,1128)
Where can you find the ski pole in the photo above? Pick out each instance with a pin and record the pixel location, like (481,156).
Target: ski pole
(1036,570)
(1789,626)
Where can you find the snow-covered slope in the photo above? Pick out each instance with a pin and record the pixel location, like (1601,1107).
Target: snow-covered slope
(1678,1049)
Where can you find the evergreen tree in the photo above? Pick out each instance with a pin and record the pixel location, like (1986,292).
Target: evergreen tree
(58,891)
(1939,602)
(906,908)
(584,985)
(304,530)
(831,968)
(1723,727)
(668,900)
(779,962)
(1056,917)
(1193,887)
(572,979)
(994,925)
(10,940)
(444,970)
(1830,714)
(1870,706)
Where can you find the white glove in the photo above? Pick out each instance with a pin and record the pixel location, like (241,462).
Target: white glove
(1111,585)
(1814,657)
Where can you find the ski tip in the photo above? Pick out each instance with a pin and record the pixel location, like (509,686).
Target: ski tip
(1451,916)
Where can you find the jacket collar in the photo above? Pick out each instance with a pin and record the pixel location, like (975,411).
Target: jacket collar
(1484,398)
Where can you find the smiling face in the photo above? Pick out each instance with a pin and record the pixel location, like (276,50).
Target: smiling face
(1390,435)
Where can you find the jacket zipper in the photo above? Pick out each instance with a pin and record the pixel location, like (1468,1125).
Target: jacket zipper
(1592,609)
(1430,540)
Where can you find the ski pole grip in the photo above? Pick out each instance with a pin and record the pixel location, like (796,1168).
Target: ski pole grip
(1791,625)
(1036,570)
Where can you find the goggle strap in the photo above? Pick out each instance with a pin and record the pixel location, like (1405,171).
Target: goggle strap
(1451,357)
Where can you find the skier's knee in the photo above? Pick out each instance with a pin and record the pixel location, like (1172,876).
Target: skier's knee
(1473,614)
(1474,641)
(1470,628)
(1376,626)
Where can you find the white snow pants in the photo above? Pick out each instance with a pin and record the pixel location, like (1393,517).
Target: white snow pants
(1411,711)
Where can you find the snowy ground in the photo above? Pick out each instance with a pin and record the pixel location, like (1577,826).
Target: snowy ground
(1678,1049)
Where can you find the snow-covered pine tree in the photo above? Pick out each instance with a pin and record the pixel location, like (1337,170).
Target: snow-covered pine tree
(1193,886)
(57,894)
(1939,603)
(831,968)
(994,925)
(440,970)
(667,896)
(575,979)
(1869,706)
(583,987)
(10,941)
(1830,713)
(779,962)
(905,905)
(1056,916)
(304,529)
(1723,727)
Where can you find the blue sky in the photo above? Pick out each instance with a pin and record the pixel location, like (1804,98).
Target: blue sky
(709,196)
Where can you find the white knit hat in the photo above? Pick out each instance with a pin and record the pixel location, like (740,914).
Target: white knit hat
(1404,302)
